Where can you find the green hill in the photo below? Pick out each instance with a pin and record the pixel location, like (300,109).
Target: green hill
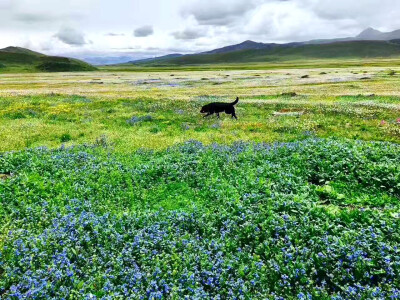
(20,50)
(287,52)
(21,59)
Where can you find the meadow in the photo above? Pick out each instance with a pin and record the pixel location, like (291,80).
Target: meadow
(113,186)
(159,109)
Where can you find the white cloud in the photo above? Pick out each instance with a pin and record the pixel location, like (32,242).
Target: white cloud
(186,25)
(6,4)
(288,21)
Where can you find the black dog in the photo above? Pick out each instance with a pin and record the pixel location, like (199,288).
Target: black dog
(218,107)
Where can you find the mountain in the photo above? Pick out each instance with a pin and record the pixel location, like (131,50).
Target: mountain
(21,59)
(373,34)
(380,44)
(370,34)
(106,60)
(246,45)
(285,52)
(369,43)
(157,58)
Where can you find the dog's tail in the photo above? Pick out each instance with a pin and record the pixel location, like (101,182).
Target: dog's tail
(236,101)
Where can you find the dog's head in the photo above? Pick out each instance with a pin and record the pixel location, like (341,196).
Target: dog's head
(203,110)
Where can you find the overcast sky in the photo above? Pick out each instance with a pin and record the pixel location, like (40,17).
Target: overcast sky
(145,28)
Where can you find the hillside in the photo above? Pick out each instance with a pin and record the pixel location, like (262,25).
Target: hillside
(370,43)
(286,52)
(21,59)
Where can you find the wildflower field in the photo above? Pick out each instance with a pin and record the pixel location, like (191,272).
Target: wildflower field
(112,185)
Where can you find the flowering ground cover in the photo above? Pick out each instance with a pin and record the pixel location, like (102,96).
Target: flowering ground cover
(157,110)
(313,219)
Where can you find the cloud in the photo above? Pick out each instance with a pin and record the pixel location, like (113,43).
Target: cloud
(218,12)
(34,18)
(188,34)
(114,34)
(341,9)
(71,36)
(183,24)
(6,4)
(143,31)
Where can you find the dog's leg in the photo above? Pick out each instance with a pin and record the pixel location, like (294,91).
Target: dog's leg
(233,113)
(208,114)
(218,115)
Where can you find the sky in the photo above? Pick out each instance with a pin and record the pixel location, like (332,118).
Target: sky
(133,29)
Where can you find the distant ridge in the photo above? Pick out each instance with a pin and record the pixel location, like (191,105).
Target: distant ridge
(380,44)
(22,59)
(287,52)
(373,34)
(173,55)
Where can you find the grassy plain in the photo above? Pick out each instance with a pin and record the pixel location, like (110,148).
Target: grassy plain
(159,109)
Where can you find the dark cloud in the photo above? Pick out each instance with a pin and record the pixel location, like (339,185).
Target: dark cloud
(114,34)
(143,31)
(34,18)
(71,36)
(218,12)
(188,34)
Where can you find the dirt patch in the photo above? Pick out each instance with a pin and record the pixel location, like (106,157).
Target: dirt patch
(5,176)
(290,94)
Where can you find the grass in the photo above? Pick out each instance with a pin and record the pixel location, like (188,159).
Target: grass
(303,219)
(288,63)
(37,110)
(112,185)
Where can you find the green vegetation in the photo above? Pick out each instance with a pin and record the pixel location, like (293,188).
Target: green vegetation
(340,50)
(317,219)
(112,185)
(157,110)
(15,59)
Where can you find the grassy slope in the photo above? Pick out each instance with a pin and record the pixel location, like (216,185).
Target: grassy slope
(359,49)
(15,59)
(21,50)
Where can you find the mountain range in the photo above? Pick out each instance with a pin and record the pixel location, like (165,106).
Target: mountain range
(368,44)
